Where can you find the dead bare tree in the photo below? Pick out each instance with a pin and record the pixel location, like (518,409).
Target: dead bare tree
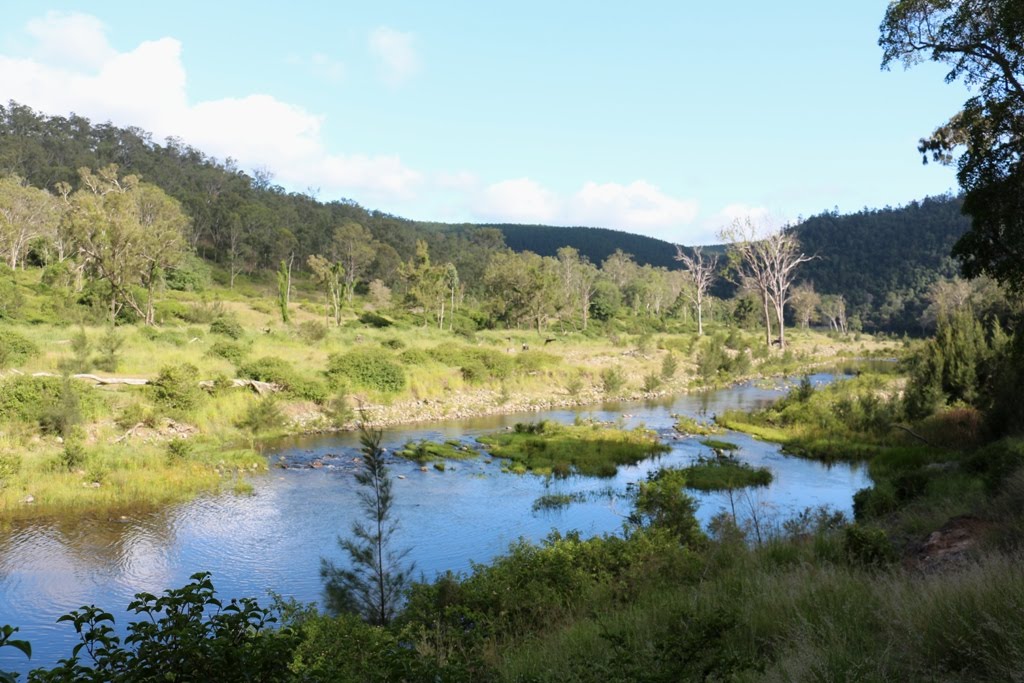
(766,260)
(701,273)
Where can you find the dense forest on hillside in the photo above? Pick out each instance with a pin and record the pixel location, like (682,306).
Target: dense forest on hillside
(883,261)
(596,244)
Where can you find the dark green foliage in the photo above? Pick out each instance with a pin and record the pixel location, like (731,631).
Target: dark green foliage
(596,244)
(661,503)
(262,416)
(394,344)
(280,372)
(176,388)
(375,320)
(229,350)
(956,365)
(40,399)
(63,415)
(7,640)
(15,348)
(557,501)
(366,368)
(669,366)
(179,449)
(374,583)
(73,454)
(612,380)
(227,326)
(652,382)
(283,285)
(190,275)
(883,261)
(109,345)
(868,546)
(337,408)
(186,634)
(724,474)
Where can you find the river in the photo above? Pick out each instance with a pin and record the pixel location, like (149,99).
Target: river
(273,539)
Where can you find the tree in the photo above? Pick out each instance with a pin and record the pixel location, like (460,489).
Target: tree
(766,261)
(701,273)
(374,583)
(284,280)
(128,234)
(805,302)
(25,213)
(353,246)
(329,276)
(578,277)
(983,43)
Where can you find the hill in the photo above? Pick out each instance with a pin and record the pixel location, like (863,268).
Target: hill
(883,260)
(596,244)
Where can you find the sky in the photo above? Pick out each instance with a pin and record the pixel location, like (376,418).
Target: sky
(669,119)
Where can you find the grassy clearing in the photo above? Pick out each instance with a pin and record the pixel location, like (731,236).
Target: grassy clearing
(724,474)
(589,449)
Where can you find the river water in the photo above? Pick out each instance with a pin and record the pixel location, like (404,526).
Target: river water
(274,539)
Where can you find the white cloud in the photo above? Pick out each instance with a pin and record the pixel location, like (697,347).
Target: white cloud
(518,201)
(146,87)
(639,206)
(395,52)
(70,38)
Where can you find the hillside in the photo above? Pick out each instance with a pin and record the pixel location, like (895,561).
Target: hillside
(883,260)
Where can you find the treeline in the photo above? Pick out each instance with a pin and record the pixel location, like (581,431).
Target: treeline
(874,268)
(883,261)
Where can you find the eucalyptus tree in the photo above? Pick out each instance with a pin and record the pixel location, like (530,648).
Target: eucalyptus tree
(700,271)
(766,260)
(26,213)
(128,233)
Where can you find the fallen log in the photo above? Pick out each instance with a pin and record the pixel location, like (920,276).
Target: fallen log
(257,386)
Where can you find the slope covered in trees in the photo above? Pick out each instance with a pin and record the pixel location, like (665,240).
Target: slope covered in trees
(883,261)
(596,244)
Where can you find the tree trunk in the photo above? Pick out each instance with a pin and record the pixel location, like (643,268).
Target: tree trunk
(767,321)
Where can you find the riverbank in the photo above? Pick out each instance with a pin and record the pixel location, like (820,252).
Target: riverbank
(176,426)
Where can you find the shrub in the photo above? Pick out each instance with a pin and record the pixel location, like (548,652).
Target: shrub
(229,350)
(15,348)
(177,388)
(414,357)
(866,546)
(652,382)
(613,380)
(366,368)
(669,366)
(227,326)
(262,416)
(312,331)
(178,450)
(394,344)
(279,371)
(109,346)
(375,320)
(10,465)
(29,399)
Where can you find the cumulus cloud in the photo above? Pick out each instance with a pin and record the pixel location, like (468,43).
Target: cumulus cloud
(146,87)
(70,38)
(395,53)
(637,207)
(518,201)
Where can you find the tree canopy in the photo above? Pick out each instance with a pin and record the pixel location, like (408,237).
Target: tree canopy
(982,41)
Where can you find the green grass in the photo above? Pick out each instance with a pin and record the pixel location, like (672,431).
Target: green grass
(718,445)
(589,449)
(431,451)
(724,474)
(557,501)
(688,425)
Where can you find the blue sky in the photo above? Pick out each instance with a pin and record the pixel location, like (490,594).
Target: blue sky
(663,118)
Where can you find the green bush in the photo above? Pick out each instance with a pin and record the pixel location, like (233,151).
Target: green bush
(15,348)
(414,357)
(176,388)
(394,344)
(612,380)
(31,399)
(866,546)
(312,331)
(229,350)
(227,326)
(366,368)
(374,320)
(279,371)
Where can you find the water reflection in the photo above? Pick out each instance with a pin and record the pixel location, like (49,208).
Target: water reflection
(274,539)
